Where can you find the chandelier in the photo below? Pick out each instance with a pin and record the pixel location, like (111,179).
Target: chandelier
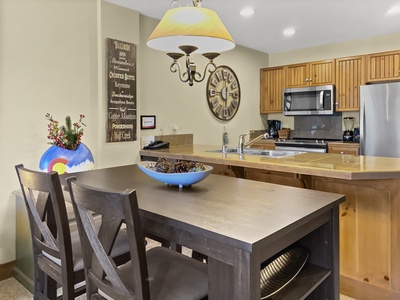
(191,29)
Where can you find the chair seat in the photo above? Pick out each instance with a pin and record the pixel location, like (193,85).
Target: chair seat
(172,276)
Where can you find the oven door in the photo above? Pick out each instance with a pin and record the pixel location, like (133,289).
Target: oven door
(304,149)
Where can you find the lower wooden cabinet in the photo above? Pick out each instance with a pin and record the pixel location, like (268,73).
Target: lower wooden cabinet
(264,144)
(288,179)
(344,148)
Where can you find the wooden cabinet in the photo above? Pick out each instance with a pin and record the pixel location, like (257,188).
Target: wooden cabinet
(344,148)
(264,144)
(276,177)
(384,66)
(310,74)
(272,82)
(350,74)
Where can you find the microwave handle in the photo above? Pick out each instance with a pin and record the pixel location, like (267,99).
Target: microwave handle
(320,104)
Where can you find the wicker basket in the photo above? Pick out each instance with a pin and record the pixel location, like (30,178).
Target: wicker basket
(284,133)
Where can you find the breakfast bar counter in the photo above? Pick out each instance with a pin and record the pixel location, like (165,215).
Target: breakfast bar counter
(369,219)
(338,166)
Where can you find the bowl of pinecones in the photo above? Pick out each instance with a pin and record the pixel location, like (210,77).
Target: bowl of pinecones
(181,173)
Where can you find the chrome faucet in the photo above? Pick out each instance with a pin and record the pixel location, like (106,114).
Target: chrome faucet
(242,143)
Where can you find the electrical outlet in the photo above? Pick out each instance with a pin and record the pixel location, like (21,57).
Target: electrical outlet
(145,140)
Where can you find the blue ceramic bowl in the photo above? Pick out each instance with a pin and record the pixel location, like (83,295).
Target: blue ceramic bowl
(180,179)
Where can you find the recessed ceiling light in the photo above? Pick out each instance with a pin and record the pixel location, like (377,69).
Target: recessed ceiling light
(394,10)
(245,12)
(289,31)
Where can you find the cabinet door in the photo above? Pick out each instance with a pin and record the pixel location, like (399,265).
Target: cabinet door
(272,81)
(322,72)
(352,150)
(349,76)
(383,66)
(311,74)
(264,145)
(297,75)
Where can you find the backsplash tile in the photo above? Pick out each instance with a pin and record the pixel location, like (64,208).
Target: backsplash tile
(318,127)
(176,139)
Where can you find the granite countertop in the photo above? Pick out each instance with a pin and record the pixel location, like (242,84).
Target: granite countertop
(340,166)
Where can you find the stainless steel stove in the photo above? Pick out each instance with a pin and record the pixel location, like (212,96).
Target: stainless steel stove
(306,145)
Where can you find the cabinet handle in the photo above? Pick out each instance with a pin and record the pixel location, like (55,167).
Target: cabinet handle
(306,79)
(341,152)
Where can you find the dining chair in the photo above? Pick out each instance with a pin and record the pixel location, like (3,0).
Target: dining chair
(57,251)
(159,273)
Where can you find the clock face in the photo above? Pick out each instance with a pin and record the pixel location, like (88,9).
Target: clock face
(223,93)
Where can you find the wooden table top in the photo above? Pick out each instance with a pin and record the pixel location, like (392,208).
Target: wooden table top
(340,166)
(241,211)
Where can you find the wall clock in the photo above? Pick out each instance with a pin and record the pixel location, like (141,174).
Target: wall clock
(223,93)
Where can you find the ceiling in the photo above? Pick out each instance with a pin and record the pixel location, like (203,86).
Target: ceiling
(317,22)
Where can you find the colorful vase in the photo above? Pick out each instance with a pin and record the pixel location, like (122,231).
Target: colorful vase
(66,161)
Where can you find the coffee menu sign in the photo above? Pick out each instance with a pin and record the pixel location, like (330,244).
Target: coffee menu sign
(121,91)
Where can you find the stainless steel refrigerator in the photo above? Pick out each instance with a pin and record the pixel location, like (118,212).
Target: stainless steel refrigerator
(380,119)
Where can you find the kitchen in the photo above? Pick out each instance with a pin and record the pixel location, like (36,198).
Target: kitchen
(53,75)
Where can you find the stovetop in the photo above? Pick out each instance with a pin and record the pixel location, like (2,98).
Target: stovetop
(305,141)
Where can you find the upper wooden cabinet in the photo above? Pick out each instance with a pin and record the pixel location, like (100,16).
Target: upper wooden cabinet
(384,66)
(349,76)
(310,74)
(272,82)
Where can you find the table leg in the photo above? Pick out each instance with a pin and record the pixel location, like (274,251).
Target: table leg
(220,280)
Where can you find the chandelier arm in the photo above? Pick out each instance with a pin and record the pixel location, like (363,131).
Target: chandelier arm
(175,67)
(210,67)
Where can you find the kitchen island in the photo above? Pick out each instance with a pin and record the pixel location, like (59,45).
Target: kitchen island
(369,218)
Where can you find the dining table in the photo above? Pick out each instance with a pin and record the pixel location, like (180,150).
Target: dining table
(238,225)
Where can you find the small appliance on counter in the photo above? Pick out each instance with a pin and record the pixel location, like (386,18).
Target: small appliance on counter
(356,135)
(157,145)
(273,127)
(348,129)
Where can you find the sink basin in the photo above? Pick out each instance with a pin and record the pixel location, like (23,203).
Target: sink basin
(260,152)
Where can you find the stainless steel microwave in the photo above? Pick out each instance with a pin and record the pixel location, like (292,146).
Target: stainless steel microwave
(314,100)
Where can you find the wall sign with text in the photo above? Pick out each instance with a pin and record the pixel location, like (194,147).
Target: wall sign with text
(121,91)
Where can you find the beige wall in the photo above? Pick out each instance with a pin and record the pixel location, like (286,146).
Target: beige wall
(46,65)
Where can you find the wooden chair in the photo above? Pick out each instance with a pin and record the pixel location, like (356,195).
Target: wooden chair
(57,251)
(159,273)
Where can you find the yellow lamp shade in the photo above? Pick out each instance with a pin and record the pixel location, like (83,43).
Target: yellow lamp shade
(194,26)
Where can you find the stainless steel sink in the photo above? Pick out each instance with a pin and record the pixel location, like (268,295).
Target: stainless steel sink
(259,152)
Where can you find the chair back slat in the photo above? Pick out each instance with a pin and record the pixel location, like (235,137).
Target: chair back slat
(46,211)
(115,208)
(40,224)
(49,228)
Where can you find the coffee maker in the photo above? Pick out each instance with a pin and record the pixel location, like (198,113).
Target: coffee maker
(273,127)
(348,129)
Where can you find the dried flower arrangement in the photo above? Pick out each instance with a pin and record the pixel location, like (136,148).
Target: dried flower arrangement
(67,136)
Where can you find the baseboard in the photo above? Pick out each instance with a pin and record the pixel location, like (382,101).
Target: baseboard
(6,270)
(26,281)
(365,291)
